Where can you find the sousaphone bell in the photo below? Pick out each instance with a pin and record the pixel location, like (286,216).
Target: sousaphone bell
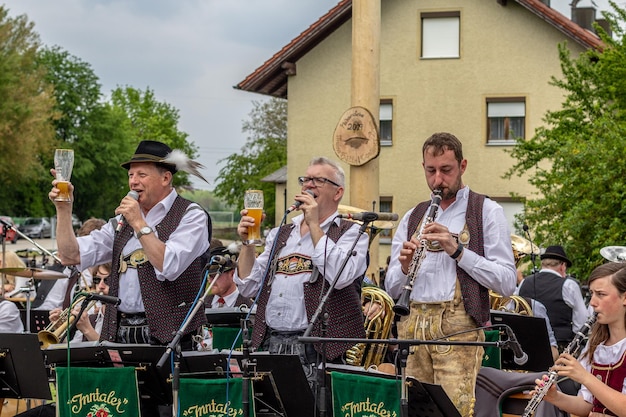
(614,253)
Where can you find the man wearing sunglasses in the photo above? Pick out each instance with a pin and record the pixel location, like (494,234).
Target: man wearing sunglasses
(309,255)
(89,325)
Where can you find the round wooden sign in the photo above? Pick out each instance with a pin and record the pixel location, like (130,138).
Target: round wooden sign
(356,137)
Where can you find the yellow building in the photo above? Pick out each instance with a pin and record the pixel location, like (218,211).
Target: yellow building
(479,69)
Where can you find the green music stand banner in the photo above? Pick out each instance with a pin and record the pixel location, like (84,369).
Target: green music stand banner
(365,396)
(97,392)
(212,397)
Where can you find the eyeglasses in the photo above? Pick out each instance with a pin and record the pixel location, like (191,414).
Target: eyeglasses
(317,181)
(96,280)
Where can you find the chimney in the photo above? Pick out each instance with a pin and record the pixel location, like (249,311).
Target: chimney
(604,24)
(584,17)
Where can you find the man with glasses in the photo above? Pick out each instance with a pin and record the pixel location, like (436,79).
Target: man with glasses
(308,255)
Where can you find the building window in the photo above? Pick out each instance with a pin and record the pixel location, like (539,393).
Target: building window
(441,35)
(386,118)
(506,119)
(386,206)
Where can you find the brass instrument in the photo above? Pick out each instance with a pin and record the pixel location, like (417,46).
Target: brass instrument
(614,253)
(378,326)
(56,331)
(519,306)
(573,348)
(521,248)
(402,306)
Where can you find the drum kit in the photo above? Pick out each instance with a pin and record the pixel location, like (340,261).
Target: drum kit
(27,272)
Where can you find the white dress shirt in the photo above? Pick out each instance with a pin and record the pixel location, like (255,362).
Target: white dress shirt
(185,244)
(285,308)
(436,278)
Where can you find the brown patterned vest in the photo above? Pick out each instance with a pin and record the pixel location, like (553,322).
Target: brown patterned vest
(345,315)
(475,296)
(166,302)
(612,375)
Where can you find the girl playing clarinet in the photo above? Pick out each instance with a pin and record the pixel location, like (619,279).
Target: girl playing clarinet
(601,368)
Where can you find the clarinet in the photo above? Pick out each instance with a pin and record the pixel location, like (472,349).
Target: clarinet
(402,306)
(573,348)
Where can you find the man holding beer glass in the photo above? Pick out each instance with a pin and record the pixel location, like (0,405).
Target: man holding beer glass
(308,256)
(154,245)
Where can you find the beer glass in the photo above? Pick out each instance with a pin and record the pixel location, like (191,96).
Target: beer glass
(253,202)
(63,164)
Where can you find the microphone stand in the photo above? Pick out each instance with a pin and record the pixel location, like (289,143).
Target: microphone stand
(321,307)
(533,255)
(174,344)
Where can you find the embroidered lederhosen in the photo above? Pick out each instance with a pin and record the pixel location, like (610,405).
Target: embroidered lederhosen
(613,376)
(475,296)
(343,306)
(166,302)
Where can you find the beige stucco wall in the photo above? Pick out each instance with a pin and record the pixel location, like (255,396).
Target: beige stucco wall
(505,52)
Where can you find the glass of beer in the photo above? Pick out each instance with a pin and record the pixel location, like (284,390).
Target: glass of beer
(253,202)
(63,164)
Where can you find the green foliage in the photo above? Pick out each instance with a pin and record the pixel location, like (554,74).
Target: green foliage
(154,120)
(577,161)
(265,151)
(26,108)
(98,133)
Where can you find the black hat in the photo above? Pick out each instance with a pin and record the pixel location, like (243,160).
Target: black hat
(556,252)
(151,151)
(220,253)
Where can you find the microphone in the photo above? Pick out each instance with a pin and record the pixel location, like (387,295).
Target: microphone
(297,204)
(120,223)
(520,356)
(533,255)
(109,299)
(370,216)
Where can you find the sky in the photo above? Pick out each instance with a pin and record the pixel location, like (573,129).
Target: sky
(190,53)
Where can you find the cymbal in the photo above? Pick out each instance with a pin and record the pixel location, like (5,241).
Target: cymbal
(378,224)
(614,253)
(33,273)
(523,245)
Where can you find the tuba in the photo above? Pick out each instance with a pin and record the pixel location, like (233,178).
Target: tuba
(377,326)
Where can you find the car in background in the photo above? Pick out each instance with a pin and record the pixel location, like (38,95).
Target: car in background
(11,236)
(36,227)
(76,223)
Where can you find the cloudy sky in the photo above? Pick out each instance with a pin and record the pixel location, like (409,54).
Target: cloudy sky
(189,52)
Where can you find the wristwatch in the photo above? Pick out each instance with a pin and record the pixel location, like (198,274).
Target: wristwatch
(146,230)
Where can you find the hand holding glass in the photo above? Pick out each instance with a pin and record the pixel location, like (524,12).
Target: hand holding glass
(63,165)
(253,202)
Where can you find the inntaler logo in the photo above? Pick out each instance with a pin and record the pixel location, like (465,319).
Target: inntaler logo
(100,404)
(366,408)
(212,409)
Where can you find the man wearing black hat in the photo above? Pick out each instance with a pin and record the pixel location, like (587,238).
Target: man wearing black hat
(561,295)
(154,244)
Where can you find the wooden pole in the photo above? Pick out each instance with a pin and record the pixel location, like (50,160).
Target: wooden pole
(365,92)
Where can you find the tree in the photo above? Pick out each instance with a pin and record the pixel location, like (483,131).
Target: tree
(264,152)
(26,108)
(99,134)
(577,161)
(153,120)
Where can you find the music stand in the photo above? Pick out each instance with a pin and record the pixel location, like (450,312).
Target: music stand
(22,369)
(39,319)
(280,386)
(151,380)
(532,334)
(425,400)
(227,316)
